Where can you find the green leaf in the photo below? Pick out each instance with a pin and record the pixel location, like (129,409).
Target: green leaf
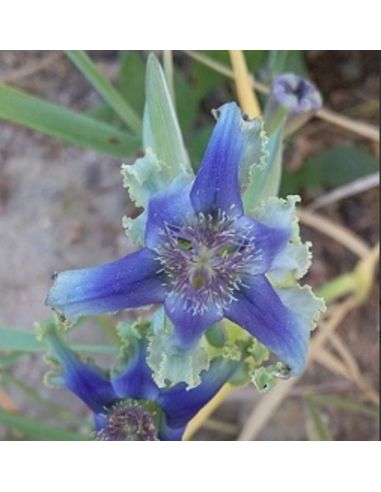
(106,89)
(104,112)
(198,144)
(186,101)
(8,360)
(131,80)
(330,168)
(25,341)
(205,78)
(36,430)
(46,403)
(64,124)
(281,61)
(161,130)
(347,404)
(316,427)
(255,59)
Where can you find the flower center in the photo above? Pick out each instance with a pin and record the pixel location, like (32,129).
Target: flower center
(204,260)
(128,422)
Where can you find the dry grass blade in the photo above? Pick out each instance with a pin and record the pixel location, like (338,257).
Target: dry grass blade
(271,401)
(360,128)
(337,232)
(198,421)
(330,361)
(355,187)
(265,409)
(220,426)
(246,95)
(364,129)
(353,370)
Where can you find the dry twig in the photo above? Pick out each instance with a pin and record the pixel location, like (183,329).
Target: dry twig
(336,231)
(355,187)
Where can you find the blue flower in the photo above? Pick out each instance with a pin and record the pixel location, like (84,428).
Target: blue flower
(203,259)
(130,406)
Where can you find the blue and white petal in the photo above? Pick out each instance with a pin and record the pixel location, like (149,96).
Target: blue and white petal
(129,282)
(216,186)
(263,312)
(170,363)
(168,209)
(295,258)
(189,324)
(86,382)
(135,380)
(268,242)
(180,404)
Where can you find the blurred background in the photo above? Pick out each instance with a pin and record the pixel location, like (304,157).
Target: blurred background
(61,207)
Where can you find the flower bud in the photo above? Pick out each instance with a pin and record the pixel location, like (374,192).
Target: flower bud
(293,100)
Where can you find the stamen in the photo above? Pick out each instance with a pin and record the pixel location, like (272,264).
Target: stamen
(205,259)
(128,421)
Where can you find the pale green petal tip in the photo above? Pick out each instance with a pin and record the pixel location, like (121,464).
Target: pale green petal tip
(255,159)
(294,261)
(276,212)
(172,365)
(257,153)
(264,378)
(135,229)
(304,302)
(145,178)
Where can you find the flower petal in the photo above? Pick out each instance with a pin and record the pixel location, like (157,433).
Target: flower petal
(129,282)
(171,207)
(86,382)
(190,326)
(181,405)
(295,258)
(261,311)
(136,380)
(268,242)
(216,186)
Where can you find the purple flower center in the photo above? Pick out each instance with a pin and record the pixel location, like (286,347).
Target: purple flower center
(205,259)
(128,422)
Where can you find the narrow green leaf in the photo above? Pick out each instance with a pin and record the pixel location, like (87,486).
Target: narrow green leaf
(9,359)
(131,80)
(161,130)
(104,112)
(25,341)
(106,89)
(53,120)
(347,404)
(186,101)
(32,394)
(206,79)
(280,61)
(36,430)
(316,427)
